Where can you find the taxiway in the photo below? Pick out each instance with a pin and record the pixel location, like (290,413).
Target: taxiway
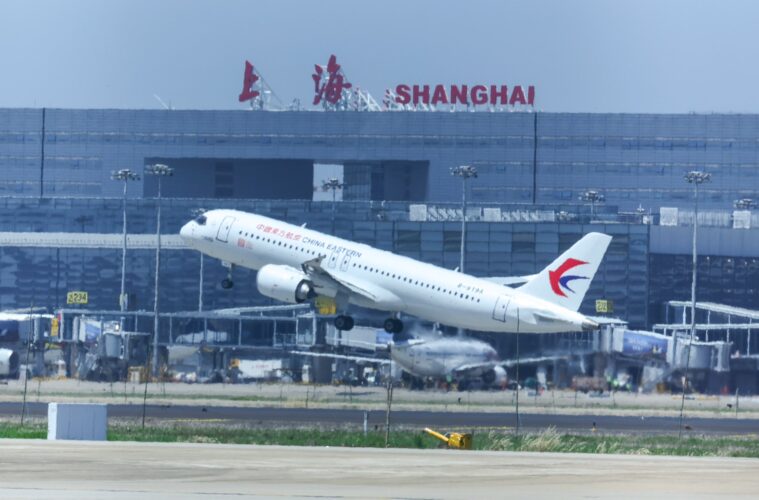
(32,469)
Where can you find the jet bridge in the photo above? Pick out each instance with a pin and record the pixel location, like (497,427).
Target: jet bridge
(105,343)
(732,333)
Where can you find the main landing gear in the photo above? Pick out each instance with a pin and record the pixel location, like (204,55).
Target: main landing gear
(227,282)
(344,322)
(393,325)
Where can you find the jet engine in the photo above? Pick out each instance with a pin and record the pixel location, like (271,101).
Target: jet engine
(496,376)
(285,284)
(8,363)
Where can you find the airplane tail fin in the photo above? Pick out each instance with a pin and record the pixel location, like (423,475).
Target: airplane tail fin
(566,280)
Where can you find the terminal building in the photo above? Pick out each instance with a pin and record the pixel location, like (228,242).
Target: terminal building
(525,206)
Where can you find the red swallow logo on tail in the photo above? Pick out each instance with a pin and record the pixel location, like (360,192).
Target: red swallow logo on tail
(559,281)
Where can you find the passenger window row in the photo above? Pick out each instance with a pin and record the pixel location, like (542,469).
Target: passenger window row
(420,284)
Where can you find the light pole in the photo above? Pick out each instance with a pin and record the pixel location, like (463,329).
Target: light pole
(160,171)
(744,204)
(564,216)
(641,213)
(466,172)
(696,178)
(124,175)
(332,184)
(592,197)
(196,213)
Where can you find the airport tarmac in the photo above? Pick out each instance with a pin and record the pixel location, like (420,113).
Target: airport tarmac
(36,469)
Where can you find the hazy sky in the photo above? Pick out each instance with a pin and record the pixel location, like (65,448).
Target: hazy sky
(596,56)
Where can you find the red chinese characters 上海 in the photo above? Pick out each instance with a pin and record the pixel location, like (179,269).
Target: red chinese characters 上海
(249,80)
(329,86)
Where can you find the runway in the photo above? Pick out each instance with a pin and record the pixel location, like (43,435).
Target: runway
(270,416)
(31,469)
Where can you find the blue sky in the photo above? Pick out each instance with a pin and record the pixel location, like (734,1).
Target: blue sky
(582,56)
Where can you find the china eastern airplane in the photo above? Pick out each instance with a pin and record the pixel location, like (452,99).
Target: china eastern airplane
(296,264)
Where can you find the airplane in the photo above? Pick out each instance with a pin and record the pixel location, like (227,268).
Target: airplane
(465,360)
(296,264)
(462,359)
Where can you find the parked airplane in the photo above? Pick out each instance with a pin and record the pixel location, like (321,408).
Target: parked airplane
(464,360)
(296,264)
(460,359)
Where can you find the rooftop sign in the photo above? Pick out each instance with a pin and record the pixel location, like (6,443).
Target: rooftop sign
(333,91)
(467,95)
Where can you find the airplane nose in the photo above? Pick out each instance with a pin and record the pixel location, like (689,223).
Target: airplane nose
(188,231)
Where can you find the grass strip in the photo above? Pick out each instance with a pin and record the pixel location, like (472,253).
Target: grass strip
(548,440)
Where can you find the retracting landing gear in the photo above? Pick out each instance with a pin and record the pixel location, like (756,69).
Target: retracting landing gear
(344,322)
(227,282)
(393,325)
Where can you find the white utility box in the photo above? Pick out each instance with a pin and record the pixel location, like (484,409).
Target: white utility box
(88,422)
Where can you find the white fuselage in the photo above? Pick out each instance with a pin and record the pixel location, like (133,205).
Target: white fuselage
(443,357)
(409,286)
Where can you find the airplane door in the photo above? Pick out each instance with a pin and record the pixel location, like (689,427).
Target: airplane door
(224,227)
(333,257)
(501,306)
(346,262)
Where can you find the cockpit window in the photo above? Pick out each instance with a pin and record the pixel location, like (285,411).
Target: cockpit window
(201,219)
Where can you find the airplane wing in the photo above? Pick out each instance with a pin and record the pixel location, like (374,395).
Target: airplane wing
(527,361)
(351,285)
(474,369)
(342,356)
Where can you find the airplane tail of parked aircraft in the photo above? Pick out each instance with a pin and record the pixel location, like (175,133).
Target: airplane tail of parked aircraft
(566,280)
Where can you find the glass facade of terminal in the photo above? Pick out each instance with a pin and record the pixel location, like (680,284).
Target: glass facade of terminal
(634,160)
(721,279)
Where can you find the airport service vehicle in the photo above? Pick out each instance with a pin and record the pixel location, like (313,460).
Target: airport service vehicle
(296,264)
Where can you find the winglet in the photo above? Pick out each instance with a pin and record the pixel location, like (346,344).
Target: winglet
(566,280)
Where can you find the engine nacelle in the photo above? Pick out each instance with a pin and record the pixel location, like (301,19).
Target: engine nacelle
(285,284)
(496,377)
(8,363)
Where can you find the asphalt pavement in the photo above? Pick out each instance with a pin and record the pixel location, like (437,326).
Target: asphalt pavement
(270,416)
